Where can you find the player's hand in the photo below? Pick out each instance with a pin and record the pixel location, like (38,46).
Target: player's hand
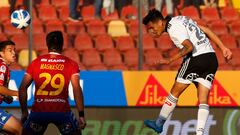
(82,122)
(227,54)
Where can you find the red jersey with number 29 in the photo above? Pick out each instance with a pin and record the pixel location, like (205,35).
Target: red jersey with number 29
(52,74)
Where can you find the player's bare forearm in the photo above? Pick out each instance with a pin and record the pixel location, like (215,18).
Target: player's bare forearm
(27,80)
(7,92)
(213,37)
(187,48)
(77,91)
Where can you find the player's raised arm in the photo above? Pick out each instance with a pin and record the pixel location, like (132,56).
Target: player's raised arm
(78,97)
(226,52)
(27,80)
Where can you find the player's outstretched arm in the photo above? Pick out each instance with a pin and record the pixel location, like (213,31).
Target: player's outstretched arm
(226,52)
(27,80)
(78,97)
(7,92)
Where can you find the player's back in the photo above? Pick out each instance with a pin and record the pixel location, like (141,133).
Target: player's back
(52,74)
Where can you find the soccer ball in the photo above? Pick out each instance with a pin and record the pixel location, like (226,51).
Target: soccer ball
(20,19)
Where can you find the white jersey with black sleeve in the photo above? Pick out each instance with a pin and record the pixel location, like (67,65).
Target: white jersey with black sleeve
(181,28)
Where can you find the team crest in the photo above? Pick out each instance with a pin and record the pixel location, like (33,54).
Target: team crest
(3,68)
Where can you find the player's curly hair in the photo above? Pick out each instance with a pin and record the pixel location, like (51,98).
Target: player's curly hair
(152,16)
(3,44)
(55,41)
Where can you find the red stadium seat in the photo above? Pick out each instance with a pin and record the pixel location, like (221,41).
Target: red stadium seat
(191,12)
(39,42)
(74,28)
(131,57)
(91,58)
(37,27)
(54,25)
(88,12)
(10,30)
(112,57)
(133,28)
(148,42)
(119,67)
(21,41)
(235,28)
(201,22)
(229,14)
(60,3)
(103,42)
(47,13)
(42,3)
(235,61)
(125,43)
(83,42)
(129,12)
(164,42)
(63,12)
(72,54)
(151,56)
(210,14)
(218,27)
(229,41)
(81,67)
(111,16)
(4,14)
(96,27)
(144,67)
(98,67)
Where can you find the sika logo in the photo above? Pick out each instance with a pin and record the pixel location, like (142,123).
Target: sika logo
(218,96)
(153,94)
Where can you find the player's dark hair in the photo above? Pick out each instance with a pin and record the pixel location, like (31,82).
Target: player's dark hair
(55,41)
(152,16)
(3,44)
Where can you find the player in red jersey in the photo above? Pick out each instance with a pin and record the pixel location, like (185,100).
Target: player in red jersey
(52,74)
(8,122)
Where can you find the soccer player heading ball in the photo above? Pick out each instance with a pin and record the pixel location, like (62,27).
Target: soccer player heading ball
(52,74)
(199,64)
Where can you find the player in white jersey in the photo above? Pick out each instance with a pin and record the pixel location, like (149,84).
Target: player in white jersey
(199,64)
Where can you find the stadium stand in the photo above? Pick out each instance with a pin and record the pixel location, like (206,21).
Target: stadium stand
(47,13)
(96,27)
(229,14)
(73,28)
(210,14)
(4,14)
(23,57)
(112,57)
(124,43)
(191,12)
(21,41)
(218,27)
(88,13)
(83,42)
(103,43)
(117,28)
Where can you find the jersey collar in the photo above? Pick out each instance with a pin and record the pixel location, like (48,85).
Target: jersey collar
(54,53)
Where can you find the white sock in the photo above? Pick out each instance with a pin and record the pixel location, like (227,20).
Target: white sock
(203,112)
(167,108)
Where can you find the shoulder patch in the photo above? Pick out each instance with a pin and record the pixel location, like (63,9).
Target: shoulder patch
(1,76)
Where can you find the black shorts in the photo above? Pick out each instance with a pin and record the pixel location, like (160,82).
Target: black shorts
(201,69)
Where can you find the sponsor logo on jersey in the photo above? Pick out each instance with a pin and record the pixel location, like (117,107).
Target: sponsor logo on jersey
(3,68)
(153,94)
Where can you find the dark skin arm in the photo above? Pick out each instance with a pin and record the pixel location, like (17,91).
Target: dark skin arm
(27,80)
(187,48)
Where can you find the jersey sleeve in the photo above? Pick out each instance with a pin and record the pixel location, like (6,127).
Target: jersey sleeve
(30,68)
(179,33)
(75,68)
(3,71)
